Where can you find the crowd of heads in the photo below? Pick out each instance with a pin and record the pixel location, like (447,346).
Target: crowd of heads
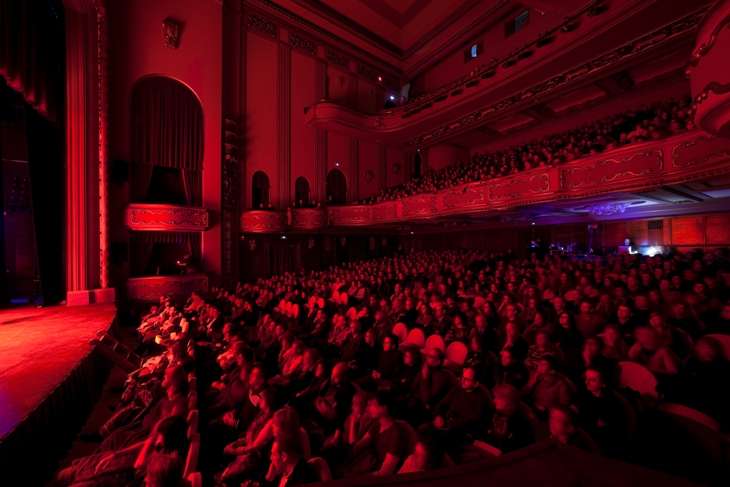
(309,376)
(649,123)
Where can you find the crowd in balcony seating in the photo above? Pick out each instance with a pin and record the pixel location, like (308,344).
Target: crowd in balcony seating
(417,362)
(645,124)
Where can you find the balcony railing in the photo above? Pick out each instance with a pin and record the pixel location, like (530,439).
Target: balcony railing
(637,167)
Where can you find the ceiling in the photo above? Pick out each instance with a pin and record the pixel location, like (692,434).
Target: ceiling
(401,23)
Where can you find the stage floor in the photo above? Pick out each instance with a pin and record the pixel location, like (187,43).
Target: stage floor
(38,349)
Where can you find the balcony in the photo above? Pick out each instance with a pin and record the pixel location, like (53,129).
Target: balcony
(263,221)
(150,288)
(637,167)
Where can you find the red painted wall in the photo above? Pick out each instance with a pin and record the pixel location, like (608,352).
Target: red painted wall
(442,155)
(262,85)
(136,49)
(303,94)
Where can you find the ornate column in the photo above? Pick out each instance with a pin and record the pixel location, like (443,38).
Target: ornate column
(709,71)
(87,240)
(320,137)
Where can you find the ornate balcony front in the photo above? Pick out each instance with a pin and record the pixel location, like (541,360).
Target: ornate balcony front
(150,288)
(147,217)
(263,221)
(308,219)
(709,71)
(638,167)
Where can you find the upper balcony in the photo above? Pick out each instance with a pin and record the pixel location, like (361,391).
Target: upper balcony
(581,50)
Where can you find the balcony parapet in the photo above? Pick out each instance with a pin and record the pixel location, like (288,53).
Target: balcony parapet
(307,219)
(150,288)
(263,221)
(638,167)
(148,217)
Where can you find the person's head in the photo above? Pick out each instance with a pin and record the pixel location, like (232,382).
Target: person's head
(611,336)
(592,347)
(339,373)
(434,357)
(506,357)
(646,337)
(542,339)
(370,337)
(285,424)
(594,380)
(561,423)
(564,320)
(388,343)
(506,399)
(256,378)
(360,402)
(380,405)
(545,365)
(511,329)
(469,379)
(410,357)
(623,312)
(171,436)
(708,350)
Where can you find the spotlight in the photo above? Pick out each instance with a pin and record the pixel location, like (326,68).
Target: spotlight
(283,237)
(412,233)
(391,97)
(380,79)
(337,164)
(532,223)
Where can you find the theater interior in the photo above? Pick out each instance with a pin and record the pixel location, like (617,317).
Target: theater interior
(364,242)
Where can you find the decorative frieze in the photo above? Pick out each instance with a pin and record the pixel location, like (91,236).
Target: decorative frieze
(262,25)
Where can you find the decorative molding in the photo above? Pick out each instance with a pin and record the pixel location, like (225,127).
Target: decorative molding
(308,219)
(102,110)
(171,32)
(643,164)
(262,221)
(142,217)
(335,57)
(698,151)
(301,43)
(703,49)
(230,198)
(149,289)
(262,25)
(631,49)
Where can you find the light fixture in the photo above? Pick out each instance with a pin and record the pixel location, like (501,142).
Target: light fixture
(283,237)
(380,79)
(337,164)
(391,97)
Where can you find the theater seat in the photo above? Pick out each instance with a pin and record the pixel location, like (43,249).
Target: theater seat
(690,414)
(638,378)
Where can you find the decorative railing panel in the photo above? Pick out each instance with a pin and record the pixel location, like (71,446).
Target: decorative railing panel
(308,218)
(263,221)
(144,217)
(150,288)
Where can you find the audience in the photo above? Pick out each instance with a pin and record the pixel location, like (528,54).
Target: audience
(645,124)
(303,376)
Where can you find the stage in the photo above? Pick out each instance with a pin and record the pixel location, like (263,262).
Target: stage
(46,365)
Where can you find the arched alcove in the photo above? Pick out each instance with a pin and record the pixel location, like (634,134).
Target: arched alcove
(301,192)
(260,190)
(166,143)
(336,187)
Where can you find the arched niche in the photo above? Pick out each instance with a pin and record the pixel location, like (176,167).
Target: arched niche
(260,190)
(336,187)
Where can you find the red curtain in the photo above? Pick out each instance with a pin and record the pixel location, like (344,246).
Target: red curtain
(31,51)
(167,130)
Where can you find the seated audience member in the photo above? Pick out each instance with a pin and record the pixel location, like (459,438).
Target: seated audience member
(510,371)
(433,382)
(547,388)
(602,413)
(386,445)
(510,428)
(649,352)
(287,465)
(704,382)
(564,432)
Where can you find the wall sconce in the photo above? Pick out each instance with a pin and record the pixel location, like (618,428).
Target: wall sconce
(171,31)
